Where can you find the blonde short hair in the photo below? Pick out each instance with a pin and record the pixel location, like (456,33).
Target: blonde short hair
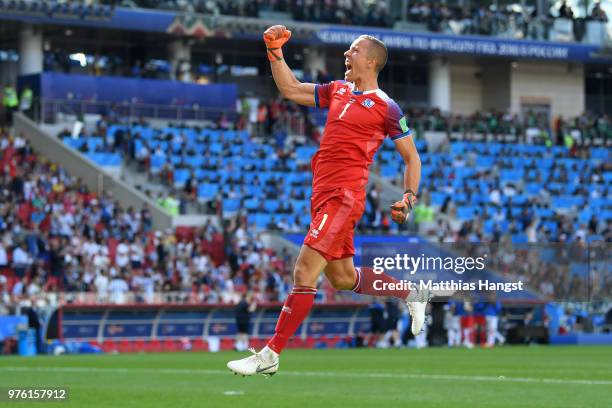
(378,51)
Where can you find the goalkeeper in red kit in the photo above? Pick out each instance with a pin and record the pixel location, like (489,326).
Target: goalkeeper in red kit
(360,117)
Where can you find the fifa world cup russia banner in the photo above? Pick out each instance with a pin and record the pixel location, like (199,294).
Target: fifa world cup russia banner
(474,45)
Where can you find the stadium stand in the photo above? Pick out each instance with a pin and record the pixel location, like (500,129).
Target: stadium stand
(57,235)
(458,19)
(535,193)
(507,185)
(260,178)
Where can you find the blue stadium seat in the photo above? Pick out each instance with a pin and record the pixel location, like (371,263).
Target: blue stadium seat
(551,226)
(94,142)
(533,188)
(389,170)
(566,202)
(426,171)
(545,162)
(460,198)
(262,220)
(464,172)
(305,221)
(438,198)
(112,159)
(208,191)
(252,190)
(421,145)
(511,175)
(304,153)
(236,150)
(489,226)
(458,148)
(271,206)
(250,177)
(467,212)
(105,159)
(112,129)
(180,176)
(479,198)
(485,162)
(74,143)
(388,156)
(157,162)
(215,148)
(519,199)
(208,134)
(200,174)
(251,203)
(600,154)
(585,215)
(299,205)
(515,211)
(599,203)
(559,151)
(194,161)
(594,238)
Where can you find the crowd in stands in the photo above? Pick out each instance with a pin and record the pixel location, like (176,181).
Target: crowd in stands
(530,128)
(265,273)
(58,235)
(466,194)
(491,191)
(59,60)
(550,184)
(470,204)
(82,9)
(561,272)
(511,20)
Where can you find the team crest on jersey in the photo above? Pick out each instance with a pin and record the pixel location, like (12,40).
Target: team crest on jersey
(368,103)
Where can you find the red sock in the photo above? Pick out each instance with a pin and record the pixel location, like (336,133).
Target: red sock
(296,307)
(365,284)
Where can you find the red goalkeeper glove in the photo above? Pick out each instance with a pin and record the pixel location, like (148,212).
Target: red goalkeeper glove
(400,210)
(275,37)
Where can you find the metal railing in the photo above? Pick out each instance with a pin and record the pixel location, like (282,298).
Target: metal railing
(50,109)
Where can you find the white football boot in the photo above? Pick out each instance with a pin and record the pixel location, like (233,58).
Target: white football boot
(265,362)
(417,303)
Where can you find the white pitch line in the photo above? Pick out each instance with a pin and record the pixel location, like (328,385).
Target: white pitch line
(447,377)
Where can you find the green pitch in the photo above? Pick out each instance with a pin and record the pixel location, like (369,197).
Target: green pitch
(503,377)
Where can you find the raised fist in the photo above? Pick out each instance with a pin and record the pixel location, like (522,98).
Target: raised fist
(275,37)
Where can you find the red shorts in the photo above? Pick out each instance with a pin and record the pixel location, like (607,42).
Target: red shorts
(467,322)
(334,215)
